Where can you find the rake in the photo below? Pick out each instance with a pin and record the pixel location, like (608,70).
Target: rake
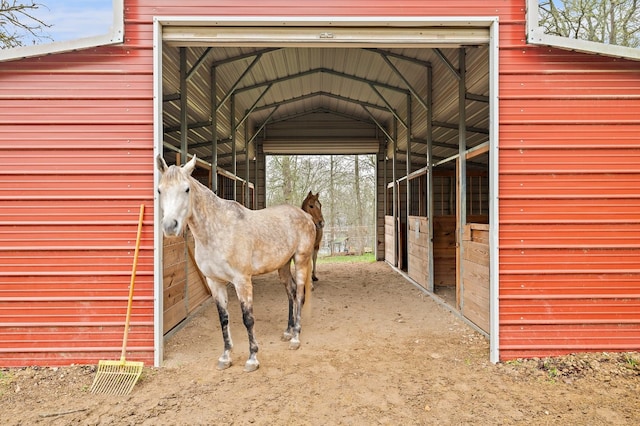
(119,377)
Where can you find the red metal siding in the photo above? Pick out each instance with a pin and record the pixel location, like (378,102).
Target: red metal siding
(76,140)
(77,145)
(569,202)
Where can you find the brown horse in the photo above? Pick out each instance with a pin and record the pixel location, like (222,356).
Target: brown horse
(233,243)
(313,206)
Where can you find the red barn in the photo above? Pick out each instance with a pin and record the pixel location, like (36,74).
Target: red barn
(508,163)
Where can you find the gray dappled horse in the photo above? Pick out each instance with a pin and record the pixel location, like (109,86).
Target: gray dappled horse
(233,243)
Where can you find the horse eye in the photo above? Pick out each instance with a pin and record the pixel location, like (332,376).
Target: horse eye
(159,192)
(187,190)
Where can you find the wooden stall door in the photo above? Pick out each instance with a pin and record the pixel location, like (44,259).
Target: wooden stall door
(419,250)
(475,295)
(389,240)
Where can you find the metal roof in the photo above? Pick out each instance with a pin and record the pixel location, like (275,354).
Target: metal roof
(320,100)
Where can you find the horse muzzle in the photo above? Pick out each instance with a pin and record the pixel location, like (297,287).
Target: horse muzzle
(171,228)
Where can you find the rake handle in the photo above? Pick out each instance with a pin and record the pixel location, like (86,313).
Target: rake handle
(131,285)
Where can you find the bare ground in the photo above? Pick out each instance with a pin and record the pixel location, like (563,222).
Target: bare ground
(375,350)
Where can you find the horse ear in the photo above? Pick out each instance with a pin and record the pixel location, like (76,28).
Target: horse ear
(309,194)
(190,165)
(162,165)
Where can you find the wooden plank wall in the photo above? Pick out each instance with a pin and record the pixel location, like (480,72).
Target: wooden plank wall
(389,240)
(475,295)
(419,250)
(198,290)
(184,286)
(444,249)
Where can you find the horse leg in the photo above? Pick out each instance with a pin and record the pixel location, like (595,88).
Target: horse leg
(219,293)
(290,286)
(303,266)
(315,258)
(244,289)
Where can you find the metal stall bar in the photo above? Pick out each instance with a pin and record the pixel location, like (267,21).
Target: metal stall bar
(461,205)
(213,178)
(184,129)
(430,203)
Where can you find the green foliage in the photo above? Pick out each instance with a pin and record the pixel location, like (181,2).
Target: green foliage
(6,380)
(630,361)
(367,257)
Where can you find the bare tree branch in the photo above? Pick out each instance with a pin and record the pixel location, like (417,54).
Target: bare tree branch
(17,23)
(604,21)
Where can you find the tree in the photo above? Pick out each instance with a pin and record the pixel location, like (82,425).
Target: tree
(18,23)
(605,21)
(346,184)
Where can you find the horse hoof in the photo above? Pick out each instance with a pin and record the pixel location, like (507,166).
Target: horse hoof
(294,344)
(286,337)
(251,366)
(314,278)
(223,365)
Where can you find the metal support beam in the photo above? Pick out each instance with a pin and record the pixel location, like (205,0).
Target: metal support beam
(394,176)
(380,126)
(462,175)
(246,165)
(448,63)
(455,126)
(430,202)
(405,81)
(264,123)
(389,107)
(408,172)
(232,126)
(326,71)
(184,130)
(214,129)
(253,107)
(233,88)
(320,93)
(199,63)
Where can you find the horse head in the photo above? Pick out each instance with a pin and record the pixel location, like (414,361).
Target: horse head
(313,206)
(175,198)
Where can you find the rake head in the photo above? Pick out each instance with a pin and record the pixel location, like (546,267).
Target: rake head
(116,377)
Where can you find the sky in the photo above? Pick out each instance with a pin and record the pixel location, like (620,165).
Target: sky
(72,19)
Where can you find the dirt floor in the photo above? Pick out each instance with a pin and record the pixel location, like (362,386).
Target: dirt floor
(375,350)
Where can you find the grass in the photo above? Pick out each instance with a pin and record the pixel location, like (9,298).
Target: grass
(367,257)
(631,362)
(6,380)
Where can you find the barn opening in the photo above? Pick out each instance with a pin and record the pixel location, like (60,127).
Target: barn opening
(416,94)
(345,185)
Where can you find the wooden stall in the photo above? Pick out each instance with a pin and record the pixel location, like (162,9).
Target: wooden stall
(475,277)
(185,288)
(418,268)
(389,240)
